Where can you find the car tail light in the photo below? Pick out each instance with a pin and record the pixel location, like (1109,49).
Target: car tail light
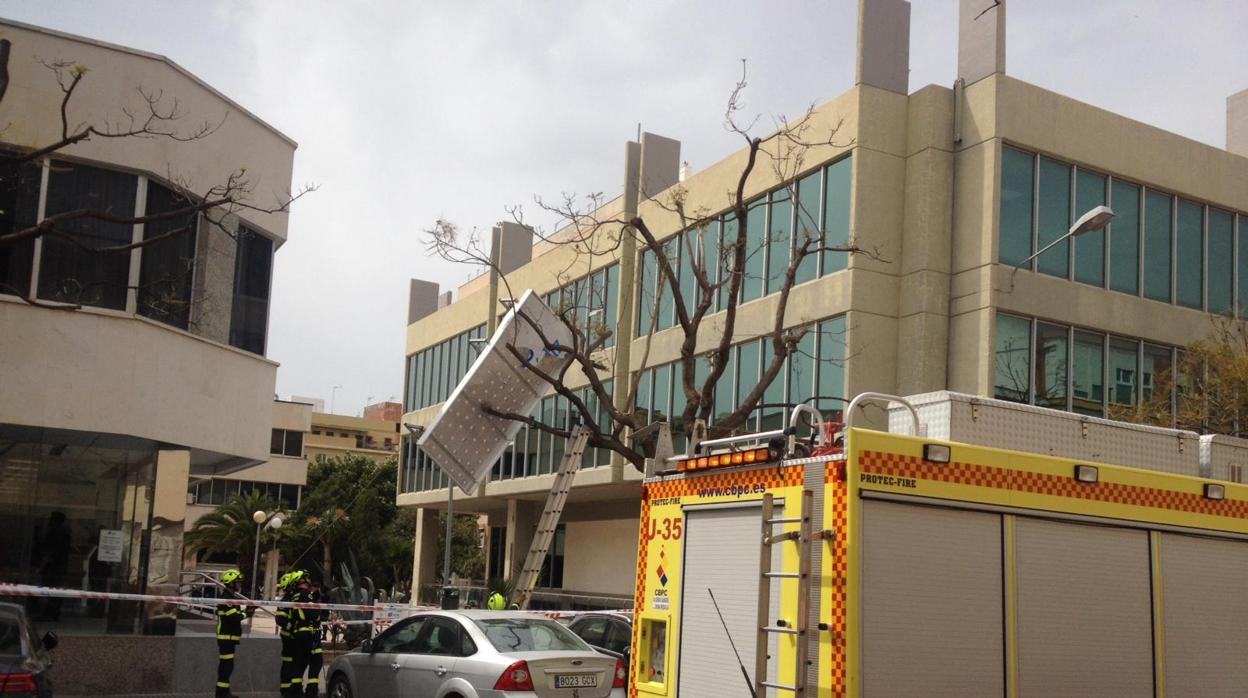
(515,678)
(621,674)
(17,683)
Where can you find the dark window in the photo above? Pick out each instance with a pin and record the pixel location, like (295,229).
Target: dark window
(1157,243)
(253,268)
(838,188)
(439,636)
(591,630)
(1053,217)
(1018,174)
(1221,261)
(755,250)
(1124,239)
(168,265)
(19,208)
(808,232)
(1013,359)
(618,637)
(278,441)
(286,443)
(1190,253)
(72,269)
(1090,246)
(401,637)
(1050,366)
(779,239)
(552,568)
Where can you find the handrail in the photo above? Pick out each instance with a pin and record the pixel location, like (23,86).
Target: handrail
(861,397)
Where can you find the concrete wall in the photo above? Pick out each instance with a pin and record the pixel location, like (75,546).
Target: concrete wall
(97,370)
(601,556)
(31,109)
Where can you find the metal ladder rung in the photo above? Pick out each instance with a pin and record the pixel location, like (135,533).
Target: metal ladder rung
(783,575)
(774,522)
(778,686)
(781,630)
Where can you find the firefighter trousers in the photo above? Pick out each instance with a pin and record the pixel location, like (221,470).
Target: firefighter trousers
(288,685)
(315,659)
(225,666)
(298,664)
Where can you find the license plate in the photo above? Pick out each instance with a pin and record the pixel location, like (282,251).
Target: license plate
(576,681)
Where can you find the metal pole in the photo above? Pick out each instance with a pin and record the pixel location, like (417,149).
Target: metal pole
(446,553)
(255,561)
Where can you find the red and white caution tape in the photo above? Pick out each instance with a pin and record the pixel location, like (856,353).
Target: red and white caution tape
(7,589)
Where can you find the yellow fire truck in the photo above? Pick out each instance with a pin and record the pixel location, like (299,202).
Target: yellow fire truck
(898,565)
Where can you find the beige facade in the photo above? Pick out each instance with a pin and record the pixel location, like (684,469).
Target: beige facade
(109,412)
(335,435)
(921,305)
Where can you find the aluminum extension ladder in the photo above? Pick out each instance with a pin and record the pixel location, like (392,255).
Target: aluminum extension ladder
(798,626)
(549,520)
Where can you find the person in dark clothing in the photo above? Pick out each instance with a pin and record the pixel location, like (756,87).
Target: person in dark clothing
(285,630)
(54,558)
(309,636)
(229,632)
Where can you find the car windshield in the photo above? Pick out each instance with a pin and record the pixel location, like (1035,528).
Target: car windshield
(525,635)
(10,637)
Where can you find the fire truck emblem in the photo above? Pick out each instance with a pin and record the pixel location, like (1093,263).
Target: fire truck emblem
(661,573)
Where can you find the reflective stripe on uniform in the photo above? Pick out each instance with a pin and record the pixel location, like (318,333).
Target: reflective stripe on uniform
(225,656)
(318,650)
(223,684)
(288,659)
(315,680)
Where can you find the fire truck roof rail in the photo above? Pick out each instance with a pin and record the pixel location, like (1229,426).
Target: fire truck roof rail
(863,397)
(730,440)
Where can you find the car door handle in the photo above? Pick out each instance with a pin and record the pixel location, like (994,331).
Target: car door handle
(395,666)
(440,671)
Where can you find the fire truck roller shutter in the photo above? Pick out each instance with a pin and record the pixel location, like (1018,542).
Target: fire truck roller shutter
(1206,615)
(721,553)
(931,604)
(1084,610)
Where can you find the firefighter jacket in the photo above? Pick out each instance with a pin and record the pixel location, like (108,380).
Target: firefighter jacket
(288,618)
(230,621)
(306,622)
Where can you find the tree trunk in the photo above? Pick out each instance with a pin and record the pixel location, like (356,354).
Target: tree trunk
(327,562)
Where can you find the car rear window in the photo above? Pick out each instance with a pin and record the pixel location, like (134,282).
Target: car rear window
(525,635)
(10,637)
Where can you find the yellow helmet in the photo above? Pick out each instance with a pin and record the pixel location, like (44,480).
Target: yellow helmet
(231,575)
(289,578)
(496,602)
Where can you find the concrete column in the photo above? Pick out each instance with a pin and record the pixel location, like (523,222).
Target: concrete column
(168,517)
(1237,123)
(422,299)
(884,44)
(425,565)
(981,39)
(522,519)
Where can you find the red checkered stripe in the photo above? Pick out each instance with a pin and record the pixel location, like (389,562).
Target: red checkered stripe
(769,478)
(894,464)
(643,549)
(836,494)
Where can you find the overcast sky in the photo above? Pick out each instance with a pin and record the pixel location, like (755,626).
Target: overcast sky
(406,112)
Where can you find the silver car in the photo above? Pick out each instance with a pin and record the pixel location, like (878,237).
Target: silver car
(476,654)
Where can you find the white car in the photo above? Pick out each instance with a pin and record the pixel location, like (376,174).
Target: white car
(476,654)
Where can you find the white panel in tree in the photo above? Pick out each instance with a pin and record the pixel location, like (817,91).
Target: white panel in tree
(463,439)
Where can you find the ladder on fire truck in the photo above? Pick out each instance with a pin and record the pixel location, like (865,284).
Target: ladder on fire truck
(551,514)
(797,626)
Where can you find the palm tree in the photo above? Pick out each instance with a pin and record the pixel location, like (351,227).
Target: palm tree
(230,529)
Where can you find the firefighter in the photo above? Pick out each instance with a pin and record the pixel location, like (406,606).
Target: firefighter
(308,635)
(286,620)
(496,602)
(229,631)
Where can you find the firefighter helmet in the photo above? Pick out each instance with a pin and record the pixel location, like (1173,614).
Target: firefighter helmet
(290,578)
(496,602)
(231,575)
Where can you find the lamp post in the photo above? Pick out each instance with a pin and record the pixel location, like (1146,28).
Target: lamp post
(1095,219)
(263,521)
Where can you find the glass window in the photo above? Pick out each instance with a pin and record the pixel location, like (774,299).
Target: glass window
(729,231)
(747,374)
(1123,373)
(662,394)
(1124,239)
(1050,366)
(667,299)
(1018,174)
(1189,253)
(779,239)
(1221,261)
(1013,359)
(807,229)
(1157,246)
(709,240)
(294,444)
(643,397)
(400,638)
(831,366)
(278,441)
(645,293)
(773,394)
(168,265)
(755,250)
(1090,246)
(547,416)
(1053,217)
(253,268)
(838,182)
(725,398)
(688,281)
(1155,373)
(679,401)
(802,369)
(19,208)
(528,635)
(68,273)
(1088,374)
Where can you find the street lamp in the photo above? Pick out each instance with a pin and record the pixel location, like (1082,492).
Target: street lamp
(263,521)
(1095,219)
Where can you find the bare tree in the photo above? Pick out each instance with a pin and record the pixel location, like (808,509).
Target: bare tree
(159,117)
(705,306)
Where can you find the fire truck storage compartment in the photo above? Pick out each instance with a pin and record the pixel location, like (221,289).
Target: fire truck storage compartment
(931,606)
(721,547)
(1206,614)
(969,419)
(1084,610)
